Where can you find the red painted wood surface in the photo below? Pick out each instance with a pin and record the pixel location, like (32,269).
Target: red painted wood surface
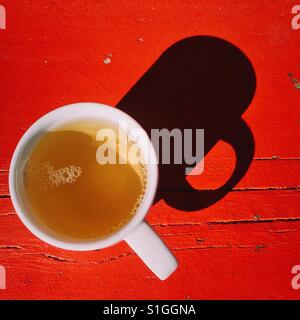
(243,246)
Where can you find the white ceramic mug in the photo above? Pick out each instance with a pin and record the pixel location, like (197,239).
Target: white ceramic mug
(137,233)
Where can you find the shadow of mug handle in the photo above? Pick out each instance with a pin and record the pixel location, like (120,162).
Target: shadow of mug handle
(241,139)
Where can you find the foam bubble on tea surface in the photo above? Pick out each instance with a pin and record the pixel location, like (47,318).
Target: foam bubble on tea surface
(45,177)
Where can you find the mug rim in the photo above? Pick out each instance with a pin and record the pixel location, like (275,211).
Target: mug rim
(84,108)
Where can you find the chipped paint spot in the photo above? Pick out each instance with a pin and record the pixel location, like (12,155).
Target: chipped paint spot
(294,80)
(258,248)
(107,60)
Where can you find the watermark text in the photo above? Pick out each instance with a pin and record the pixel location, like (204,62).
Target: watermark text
(2,17)
(2,278)
(177,146)
(296,18)
(296,279)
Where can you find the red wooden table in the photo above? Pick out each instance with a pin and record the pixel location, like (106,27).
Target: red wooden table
(244,245)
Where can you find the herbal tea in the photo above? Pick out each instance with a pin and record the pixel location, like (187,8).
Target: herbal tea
(75,195)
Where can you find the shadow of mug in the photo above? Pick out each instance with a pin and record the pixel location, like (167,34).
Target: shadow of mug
(200,82)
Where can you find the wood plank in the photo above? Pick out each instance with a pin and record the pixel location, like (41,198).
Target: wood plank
(262,175)
(37,271)
(242,205)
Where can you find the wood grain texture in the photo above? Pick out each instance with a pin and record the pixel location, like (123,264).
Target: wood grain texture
(243,246)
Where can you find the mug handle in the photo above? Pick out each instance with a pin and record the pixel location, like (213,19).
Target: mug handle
(152,250)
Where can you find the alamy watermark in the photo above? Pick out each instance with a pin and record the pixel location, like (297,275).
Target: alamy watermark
(296,279)
(296,18)
(2,17)
(2,278)
(174,146)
